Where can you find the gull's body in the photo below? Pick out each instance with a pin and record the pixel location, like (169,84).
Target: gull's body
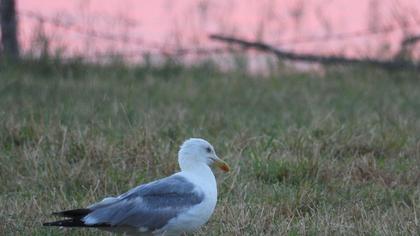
(179,203)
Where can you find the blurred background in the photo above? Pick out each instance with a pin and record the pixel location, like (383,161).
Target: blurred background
(150,32)
(315,104)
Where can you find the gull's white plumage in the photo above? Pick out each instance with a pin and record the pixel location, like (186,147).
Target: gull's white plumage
(179,203)
(190,220)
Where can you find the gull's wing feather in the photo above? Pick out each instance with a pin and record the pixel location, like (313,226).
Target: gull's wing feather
(148,206)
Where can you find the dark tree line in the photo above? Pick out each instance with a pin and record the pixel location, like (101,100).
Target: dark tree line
(8,25)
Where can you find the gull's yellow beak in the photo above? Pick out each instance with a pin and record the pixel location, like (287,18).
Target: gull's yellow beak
(221,164)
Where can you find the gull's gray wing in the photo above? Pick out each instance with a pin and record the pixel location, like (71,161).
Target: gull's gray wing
(148,206)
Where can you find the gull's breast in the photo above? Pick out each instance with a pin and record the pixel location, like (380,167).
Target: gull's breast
(191,219)
(199,214)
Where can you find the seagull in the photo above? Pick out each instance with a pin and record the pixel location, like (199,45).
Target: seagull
(174,205)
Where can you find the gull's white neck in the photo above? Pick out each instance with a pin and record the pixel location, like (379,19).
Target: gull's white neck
(200,174)
(199,170)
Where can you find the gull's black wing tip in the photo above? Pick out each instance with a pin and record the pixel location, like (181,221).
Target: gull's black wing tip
(75,220)
(66,223)
(72,223)
(74,214)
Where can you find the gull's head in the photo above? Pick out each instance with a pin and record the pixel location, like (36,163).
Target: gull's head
(196,151)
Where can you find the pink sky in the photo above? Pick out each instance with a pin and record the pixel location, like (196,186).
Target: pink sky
(153,25)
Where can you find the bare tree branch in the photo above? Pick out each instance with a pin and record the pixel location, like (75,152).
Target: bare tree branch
(411,40)
(407,46)
(313,58)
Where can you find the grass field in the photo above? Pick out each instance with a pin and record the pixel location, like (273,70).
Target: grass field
(310,154)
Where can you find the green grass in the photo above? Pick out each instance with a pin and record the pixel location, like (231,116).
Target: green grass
(310,154)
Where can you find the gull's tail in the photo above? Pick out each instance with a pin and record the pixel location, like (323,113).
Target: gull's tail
(75,220)
(67,223)
(74,214)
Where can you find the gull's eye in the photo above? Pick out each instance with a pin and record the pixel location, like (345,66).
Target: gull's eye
(208,149)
